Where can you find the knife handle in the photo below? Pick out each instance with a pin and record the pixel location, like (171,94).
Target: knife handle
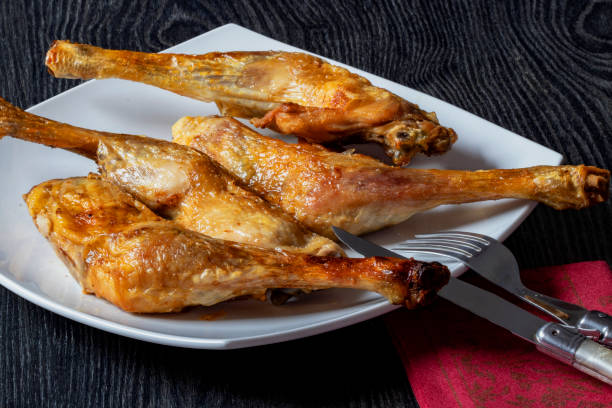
(595,360)
(575,349)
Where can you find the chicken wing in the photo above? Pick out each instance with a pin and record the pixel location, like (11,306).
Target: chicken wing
(360,194)
(118,249)
(292,93)
(175,181)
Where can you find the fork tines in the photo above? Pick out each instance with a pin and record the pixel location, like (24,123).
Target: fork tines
(454,244)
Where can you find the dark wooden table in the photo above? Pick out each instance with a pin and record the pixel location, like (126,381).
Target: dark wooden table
(539,68)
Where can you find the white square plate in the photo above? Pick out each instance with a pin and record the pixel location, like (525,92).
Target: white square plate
(29,267)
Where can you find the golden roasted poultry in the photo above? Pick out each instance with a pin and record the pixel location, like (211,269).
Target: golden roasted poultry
(360,194)
(292,93)
(175,181)
(118,249)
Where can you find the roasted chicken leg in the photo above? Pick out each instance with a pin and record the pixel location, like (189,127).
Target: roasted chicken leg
(360,194)
(292,93)
(118,249)
(175,181)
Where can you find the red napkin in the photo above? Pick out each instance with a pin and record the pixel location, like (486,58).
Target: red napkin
(456,359)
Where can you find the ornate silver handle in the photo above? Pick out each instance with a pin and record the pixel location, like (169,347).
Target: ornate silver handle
(593,324)
(575,349)
(595,360)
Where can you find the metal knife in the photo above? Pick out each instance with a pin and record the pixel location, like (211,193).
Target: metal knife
(558,341)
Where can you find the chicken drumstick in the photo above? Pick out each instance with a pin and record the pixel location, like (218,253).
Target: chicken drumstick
(175,181)
(292,93)
(360,194)
(118,249)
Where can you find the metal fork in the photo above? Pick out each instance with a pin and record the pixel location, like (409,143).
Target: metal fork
(494,261)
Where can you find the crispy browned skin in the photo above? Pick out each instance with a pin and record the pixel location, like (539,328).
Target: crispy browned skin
(293,93)
(175,181)
(118,249)
(360,194)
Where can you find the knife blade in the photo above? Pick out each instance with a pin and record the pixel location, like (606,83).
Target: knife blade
(554,339)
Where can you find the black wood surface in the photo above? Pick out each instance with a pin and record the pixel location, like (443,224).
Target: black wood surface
(542,69)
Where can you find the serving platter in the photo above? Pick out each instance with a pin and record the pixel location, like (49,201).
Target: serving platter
(30,268)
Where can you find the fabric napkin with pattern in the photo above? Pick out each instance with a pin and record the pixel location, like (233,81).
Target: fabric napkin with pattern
(456,359)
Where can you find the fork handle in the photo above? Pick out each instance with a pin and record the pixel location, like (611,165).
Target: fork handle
(593,324)
(597,321)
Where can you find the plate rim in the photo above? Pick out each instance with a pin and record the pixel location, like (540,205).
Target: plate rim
(376,307)
(322,326)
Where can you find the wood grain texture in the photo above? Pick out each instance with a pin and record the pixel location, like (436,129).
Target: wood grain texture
(542,69)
